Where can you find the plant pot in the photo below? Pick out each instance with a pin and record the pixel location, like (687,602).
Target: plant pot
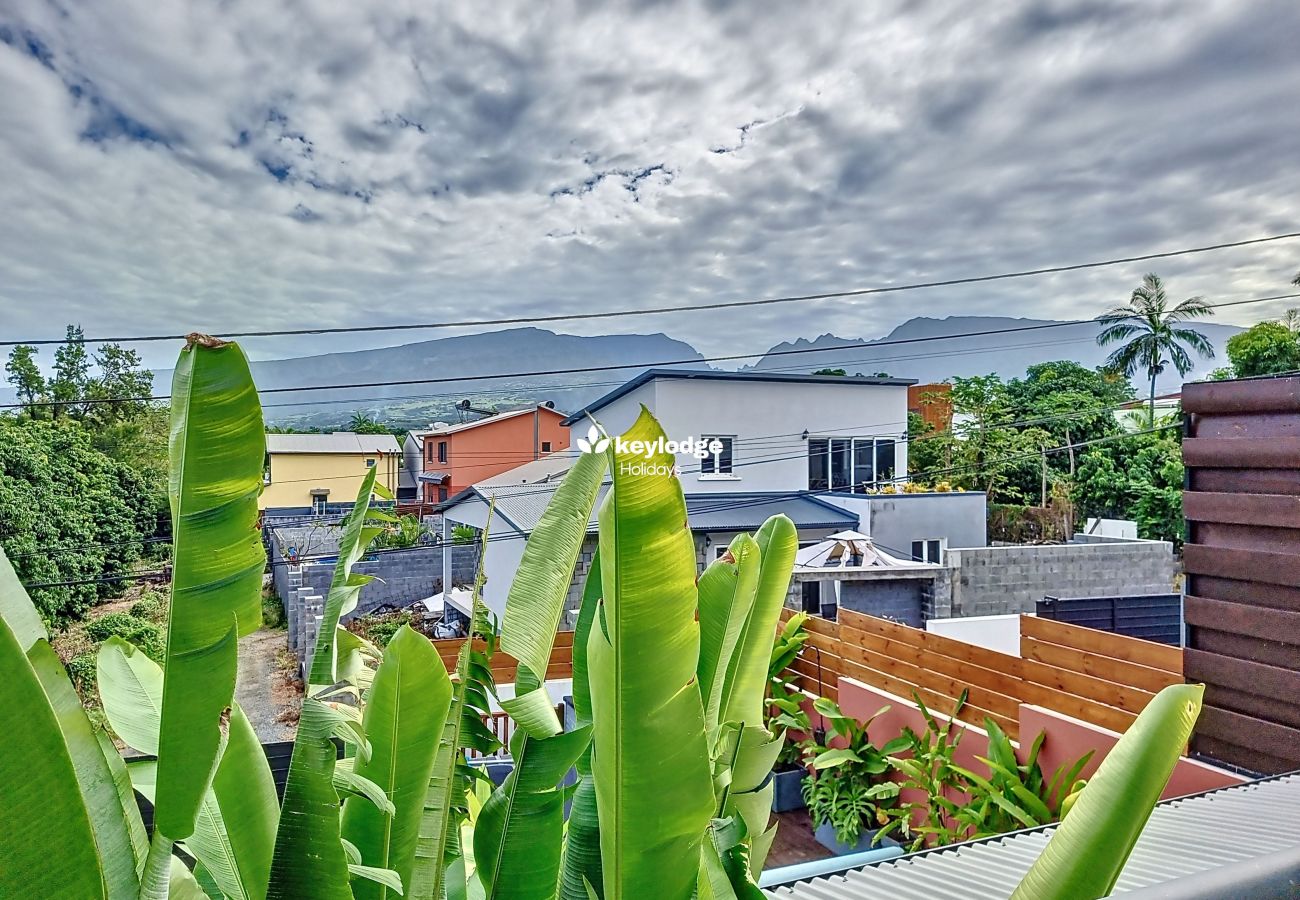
(825,835)
(787,790)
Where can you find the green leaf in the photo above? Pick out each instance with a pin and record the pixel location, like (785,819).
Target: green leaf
(650,760)
(131,690)
(832,758)
(777,542)
(405,712)
(727,591)
(217,447)
(520,829)
(345,587)
(181,883)
(536,598)
(581,866)
(120,839)
(382,879)
(1087,852)
(40,785)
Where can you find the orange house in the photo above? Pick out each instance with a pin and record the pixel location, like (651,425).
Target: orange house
(449,458)
(933,403)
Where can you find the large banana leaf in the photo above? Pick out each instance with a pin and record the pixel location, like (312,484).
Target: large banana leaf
(405,711)
(536,599)
(120,839)
(439,866)
(217,446)
(1086,855)
(726,598)
(650,760)
(777,543)
(582,836)
(56,856)
(518,835)
(234,832)
(345,587)
(309,859)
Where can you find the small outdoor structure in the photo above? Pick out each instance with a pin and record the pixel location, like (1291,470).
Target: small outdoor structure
(848,570)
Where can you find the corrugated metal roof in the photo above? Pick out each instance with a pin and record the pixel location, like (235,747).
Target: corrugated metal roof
(334,442)
(1183,837)
(523,505)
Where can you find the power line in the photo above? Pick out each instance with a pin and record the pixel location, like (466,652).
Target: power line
(697,307)
(610,368)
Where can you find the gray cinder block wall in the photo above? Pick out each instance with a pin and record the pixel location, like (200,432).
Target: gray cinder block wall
(988,581)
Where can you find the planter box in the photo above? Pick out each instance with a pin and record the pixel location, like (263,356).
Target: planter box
(825,835)
(787,790)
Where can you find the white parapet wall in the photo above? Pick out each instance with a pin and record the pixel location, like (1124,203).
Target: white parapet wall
(1000,633)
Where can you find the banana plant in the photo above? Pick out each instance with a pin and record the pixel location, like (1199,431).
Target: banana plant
(216,449)
(1087,852)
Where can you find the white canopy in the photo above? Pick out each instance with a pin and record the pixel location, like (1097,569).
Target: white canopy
(850,551)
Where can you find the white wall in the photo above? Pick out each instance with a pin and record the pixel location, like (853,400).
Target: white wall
(1000,633)
(505,549)
(767,419)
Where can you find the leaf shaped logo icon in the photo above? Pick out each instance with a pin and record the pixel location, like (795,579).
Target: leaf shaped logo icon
(594,442)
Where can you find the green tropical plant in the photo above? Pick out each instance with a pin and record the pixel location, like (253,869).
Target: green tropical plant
(1085,856)
(1016,795)
(1151,335)
(932,777)
(849,787)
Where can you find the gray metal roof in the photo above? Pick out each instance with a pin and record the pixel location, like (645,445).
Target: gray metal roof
(334,442)
(522,506)
(1183,837)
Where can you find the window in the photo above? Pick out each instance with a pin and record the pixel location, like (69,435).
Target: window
(546,446)
(812,597)
(442,451)
(370,464)
(428,452)
(717,463)
(442,494)
(850,464)
(318,502)
(930,551)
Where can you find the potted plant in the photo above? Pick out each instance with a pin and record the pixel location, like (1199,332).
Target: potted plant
(849,791)
(786,713)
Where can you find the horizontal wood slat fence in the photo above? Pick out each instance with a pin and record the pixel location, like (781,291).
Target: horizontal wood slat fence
(504,666)
(1101,678)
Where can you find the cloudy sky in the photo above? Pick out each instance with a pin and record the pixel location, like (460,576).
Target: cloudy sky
(252,164)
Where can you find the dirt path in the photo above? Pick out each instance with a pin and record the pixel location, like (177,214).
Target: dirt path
(265,689)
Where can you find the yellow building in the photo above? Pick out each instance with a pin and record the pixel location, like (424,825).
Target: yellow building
(308,471)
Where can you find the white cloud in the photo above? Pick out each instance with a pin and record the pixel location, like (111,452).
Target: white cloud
(258,165)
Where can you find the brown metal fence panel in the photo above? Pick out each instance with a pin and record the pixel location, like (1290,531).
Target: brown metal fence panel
(1242,559)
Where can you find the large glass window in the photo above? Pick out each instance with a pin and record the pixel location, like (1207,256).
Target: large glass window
(850,464)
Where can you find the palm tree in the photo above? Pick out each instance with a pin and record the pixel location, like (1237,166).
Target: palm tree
(1150,334)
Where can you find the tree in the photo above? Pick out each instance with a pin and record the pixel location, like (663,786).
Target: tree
(1151,336)
(361,423)
(123,386)
(839,372)
(25,376)
(71,381)
(1265,349)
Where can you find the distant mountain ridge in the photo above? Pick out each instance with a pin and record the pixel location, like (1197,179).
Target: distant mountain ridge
(933,349)
(923,348)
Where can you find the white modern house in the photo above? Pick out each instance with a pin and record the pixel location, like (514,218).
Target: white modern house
(779,432)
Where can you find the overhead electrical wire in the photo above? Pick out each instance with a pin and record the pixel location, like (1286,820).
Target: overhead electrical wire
(698,307)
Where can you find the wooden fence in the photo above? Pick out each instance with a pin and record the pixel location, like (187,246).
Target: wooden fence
(1101,678)
(1242,559)
(504,666)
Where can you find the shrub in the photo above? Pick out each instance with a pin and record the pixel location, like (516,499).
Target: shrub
(273,614)
(81,669)
(144,634)
(152,607)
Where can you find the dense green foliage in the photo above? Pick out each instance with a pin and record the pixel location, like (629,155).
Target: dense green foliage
(58,491)
(1265,349)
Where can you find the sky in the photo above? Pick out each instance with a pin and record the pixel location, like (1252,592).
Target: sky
(230,165)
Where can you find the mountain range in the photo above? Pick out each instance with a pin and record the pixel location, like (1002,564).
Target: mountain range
(455,368)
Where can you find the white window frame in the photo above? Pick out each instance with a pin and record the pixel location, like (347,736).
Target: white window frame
(716,458)
(926,547)
(854,481)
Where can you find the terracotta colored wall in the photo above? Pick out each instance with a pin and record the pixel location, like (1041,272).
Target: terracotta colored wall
(938,412)
(492,448)
(1068,739)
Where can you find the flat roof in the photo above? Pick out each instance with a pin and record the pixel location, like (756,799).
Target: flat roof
(716,375)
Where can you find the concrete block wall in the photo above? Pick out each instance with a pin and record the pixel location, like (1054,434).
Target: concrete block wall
(896,599)
(989,581)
